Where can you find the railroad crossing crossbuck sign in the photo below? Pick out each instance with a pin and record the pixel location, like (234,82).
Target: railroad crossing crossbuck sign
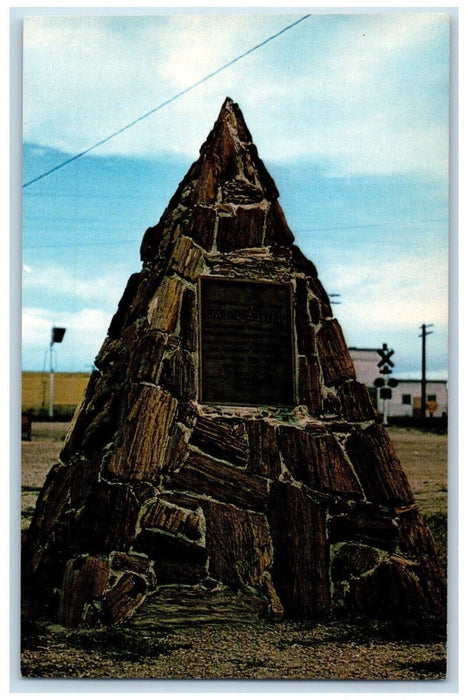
(385,362)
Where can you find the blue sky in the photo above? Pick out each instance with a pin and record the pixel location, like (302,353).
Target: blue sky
(349,113)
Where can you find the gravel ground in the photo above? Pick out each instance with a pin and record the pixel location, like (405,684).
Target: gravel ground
(265,651)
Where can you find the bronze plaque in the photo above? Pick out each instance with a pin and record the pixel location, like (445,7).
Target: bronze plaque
(246,343)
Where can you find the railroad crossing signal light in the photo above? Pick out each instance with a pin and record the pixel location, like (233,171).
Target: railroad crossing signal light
(57,334)
(393,382)
(379,382)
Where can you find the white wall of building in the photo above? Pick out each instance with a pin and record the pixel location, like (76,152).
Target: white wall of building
(406,398)
(365,363)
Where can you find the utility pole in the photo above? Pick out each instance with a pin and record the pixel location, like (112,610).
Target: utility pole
(423,335)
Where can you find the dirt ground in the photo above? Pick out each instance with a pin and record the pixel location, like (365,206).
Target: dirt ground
(337,650)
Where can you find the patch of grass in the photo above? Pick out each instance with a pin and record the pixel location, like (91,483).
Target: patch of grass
(437,523)
(438,526)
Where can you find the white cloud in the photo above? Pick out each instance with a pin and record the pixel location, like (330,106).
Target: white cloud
(85,332)
(37,323)
(365,94)
(398,294)
(50,281)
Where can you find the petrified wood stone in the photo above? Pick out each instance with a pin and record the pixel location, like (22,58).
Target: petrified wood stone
(178,375)
(176,559)
(300,552)
(140,452)
(144,364)
(238,544)
(335,359)
(314,310)
(241,230)
(363,522)
(205,475)
(309,391)
(124,597)
(176,446)
(97,416)
(85,580)
(172,518)
(163,309)
(108,518)
(277,230)
(174,607)
(84,473)
(186,259)
(202,226)
(137,563)
(378,467)
(331,405)
(318,461)
(354,560)
(392,590)
(415,536)
(432,578)
(225,440)
(43,543)
(250,265)
(264,457)
(52,500)
(156,240)
(355,402)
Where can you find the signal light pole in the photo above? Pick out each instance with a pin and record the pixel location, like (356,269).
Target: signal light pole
(56,337)
(423,335)
(384,384)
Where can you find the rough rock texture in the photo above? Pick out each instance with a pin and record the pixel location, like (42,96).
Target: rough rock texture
(303,509)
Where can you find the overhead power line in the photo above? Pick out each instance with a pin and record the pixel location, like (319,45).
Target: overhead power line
(166,102)
(376,225)
(323,229)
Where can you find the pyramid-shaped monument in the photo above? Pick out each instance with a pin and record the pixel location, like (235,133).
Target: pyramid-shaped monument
(224,458)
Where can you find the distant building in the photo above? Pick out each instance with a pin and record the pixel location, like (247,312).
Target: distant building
(406,397)
(69,388)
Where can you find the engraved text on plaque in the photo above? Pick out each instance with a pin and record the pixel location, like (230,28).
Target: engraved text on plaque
(246,343)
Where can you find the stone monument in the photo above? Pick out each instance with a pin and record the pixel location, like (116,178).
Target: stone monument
(224,458)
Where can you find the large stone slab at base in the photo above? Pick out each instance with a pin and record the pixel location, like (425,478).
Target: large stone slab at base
(176,607)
